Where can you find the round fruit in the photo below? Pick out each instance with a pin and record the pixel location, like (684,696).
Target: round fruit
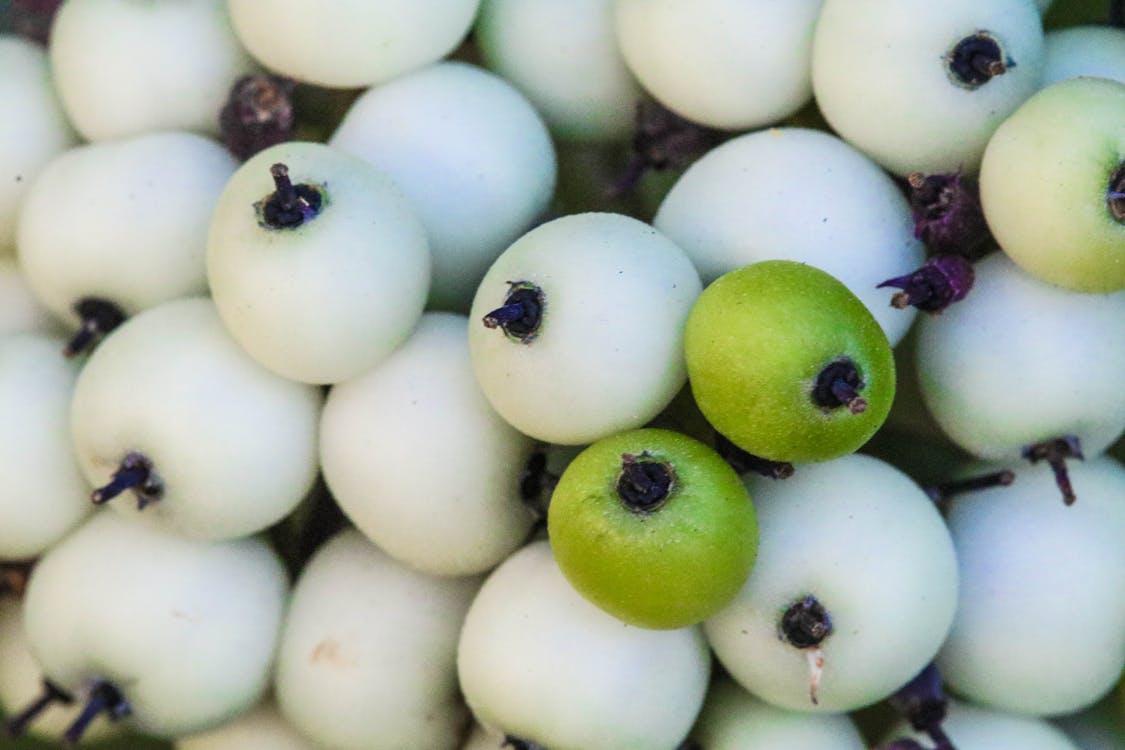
(576,331)
(654,528)
(787,363)
(1052,185)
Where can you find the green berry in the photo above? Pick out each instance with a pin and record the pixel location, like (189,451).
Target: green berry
(654,528)
(787,363)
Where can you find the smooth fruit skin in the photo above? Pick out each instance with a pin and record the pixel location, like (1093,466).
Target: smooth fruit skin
(185,628)
(1020,360)
(755,342)
(324,301)
(866,541)
(973,728)
(1040,623)
(367,652)
(608,354)
(21,678)
(731,64)
(124,68)
(33,129)
(44,494)
(880,77)
(793,193)
(537,661)
(669,568)
(1043,184)
(734,719)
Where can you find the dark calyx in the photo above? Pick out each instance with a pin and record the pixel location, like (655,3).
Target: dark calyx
(663,140)
(922,702)
(941,281)
(51,694)
(13,577)
(521,314)
(941,493)
(948,215)
(537,484)
(976,60)
(517,744)
(289,206)
(645,482)
(1115,196)
(30,19)
(133,473)
(258,114)
(105,699)
(746,463)
(805,624)
(97,318)
(1055,452)
(838,384)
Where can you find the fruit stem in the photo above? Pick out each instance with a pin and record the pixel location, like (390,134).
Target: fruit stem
(1115,196)
(1055,452)
(838,384)
(941,493)
(289,206)
(645,482)
(804,625)
(743,462)
(937,284)
(517,744)
(521,314)
(103,698)
(51,694)
(133,473)
(97,318)
(977,59)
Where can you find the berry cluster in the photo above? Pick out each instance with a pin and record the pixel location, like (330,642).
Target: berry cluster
(562,374)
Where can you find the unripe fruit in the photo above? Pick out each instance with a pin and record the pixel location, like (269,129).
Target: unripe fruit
(653,527)
(787,363)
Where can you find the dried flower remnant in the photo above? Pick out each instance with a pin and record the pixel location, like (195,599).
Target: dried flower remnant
(941,281)
(258,114)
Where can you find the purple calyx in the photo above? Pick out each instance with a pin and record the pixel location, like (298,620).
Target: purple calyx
(941,281)
(663,140)
(922,702)
(258,114)
(947,212)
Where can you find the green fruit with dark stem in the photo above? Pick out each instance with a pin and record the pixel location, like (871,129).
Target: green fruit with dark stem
(787,363)
(654,528)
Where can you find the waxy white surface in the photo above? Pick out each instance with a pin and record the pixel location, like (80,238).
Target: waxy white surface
(609,352)
(234,444)
(367,653)
(866,541)
(420,462)
(538,662)
(185,629)
(797,194)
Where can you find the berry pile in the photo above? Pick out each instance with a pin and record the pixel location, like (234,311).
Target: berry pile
(562,374)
